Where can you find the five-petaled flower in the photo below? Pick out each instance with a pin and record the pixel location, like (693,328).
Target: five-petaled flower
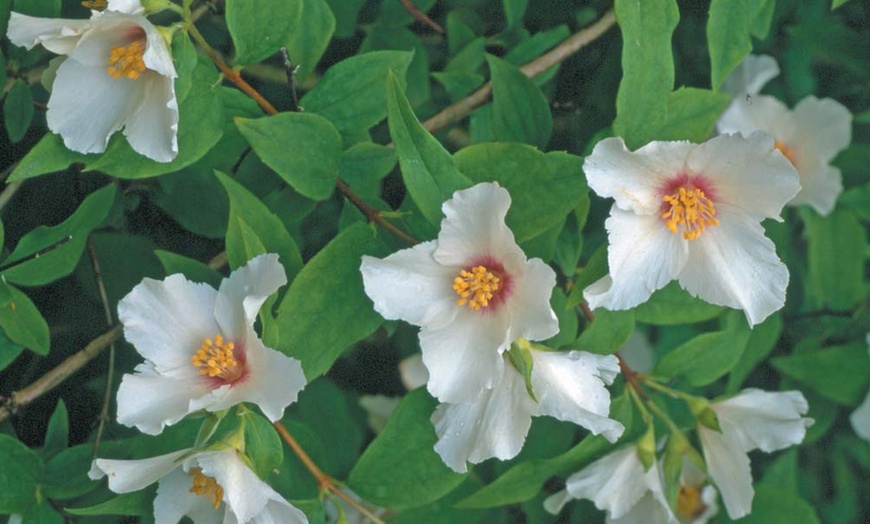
(201,349)
(753,419)
(472,291)
(692,212)
(118,73)
(809,136)
(213,485)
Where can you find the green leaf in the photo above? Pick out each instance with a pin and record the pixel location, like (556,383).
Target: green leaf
(838,373)
(60,261)
(428,170)
(124,260)
(520,112)
(364,165)
(260,27)
(193,270)
(303,148)
(345,12)
(21,470)
(18,111)
(21,320)
(47,156)
(310,37)
(326,310)
(57,434)
(727,37)
(192,184)
(262,444)
(647,68)
(673,305)
(66,473)
(705,358)
(9,350)
(40,8)
(521,359)
(837,3)
(267,228)
(774,505)
(137,504)
(400,468)
(607,333)
(393,13)
(692,113)
(836,256)
(351,93)
(531,177)
(762,340)
(514,11)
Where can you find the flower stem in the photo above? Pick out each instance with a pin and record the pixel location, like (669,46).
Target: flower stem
(324,481)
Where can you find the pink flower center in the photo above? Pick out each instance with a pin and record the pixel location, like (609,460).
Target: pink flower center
(786,151)
(207,487)
(221,360)
(127,60)
(483,284)
(687,205)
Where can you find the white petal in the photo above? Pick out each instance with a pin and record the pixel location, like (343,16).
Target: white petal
(167,321)
(125,6)
(126,476)
(555,502)
(761,112)
(615,482)
(648,510)
(152,130)
(409,285)
(634,179)
(821,184)
(151,402)
(108,30)
(413,372)
(747,173)
(55,34)
(532,317)
(860,419)
(751,75)
(379,409)
(157,56)
(240,296)
(643,256)
(174,501)
(570,387)
(464,357)
(765,420)
(735,265)
(728,466)
(279,511)
(85,122)
(494,425)
(273,383)
(822,127)
(474,227)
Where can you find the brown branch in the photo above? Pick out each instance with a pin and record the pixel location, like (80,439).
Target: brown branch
(420,16)
(373,214)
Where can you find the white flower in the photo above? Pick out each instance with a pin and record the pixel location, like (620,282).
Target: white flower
(860,418)
(472,292)
(118,74)
(207,486)
(201,350)
(568,386)
(754,419)
(692,212)
(618,483)
(753,73)
(809,136)
(696,500)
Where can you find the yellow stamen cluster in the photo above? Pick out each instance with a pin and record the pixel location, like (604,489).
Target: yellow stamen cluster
(689,503)
(96,5)
(216,359)
(475,287)
(786,152)
(206,487)
(127,60)
(691,210)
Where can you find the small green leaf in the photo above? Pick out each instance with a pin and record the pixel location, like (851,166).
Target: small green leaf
(18,111)
(193,270)
(520,112)
(137,504)
(66,473)
(837,3)
(49,155)
(836,257)
(774,505)
(303,148)
(21,320)
(262,444)
(311,36)
(21,471)
(838,373)
(57,435)
(351,93)
(514,11)
(364,165)
(40,8)
(9,350)
(673,305)
(728,37)
(400,468)
(607,333)
(762,340)
(260,27)
(428,170)
(521,359)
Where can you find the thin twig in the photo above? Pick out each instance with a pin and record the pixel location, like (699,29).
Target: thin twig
(291,71)
(420,16)
(373,214)
(104,412)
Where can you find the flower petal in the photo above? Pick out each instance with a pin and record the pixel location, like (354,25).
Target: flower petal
(494,425)
(615,482)
(413,372)
(728,466)
(150,401)
(822,127)
(409,285)
(175,501)
(735,265)
(751,75)
(152,129)
(241,296)
(650,509)
(532,317)
(633,179)
(747,173)
(821,184)
(464,357)
(765,420)
(860,419)
(761,112)
(125,6)
(55,34)
(643,256)
(570,387)
(474,226)
(126,476)
(167,320)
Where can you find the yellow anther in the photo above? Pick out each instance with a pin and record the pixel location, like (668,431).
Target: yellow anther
(206,487)
(216,359)
(96,5)
(786,152)
(691,210)
(127,60)
(476,287)
(690,505)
